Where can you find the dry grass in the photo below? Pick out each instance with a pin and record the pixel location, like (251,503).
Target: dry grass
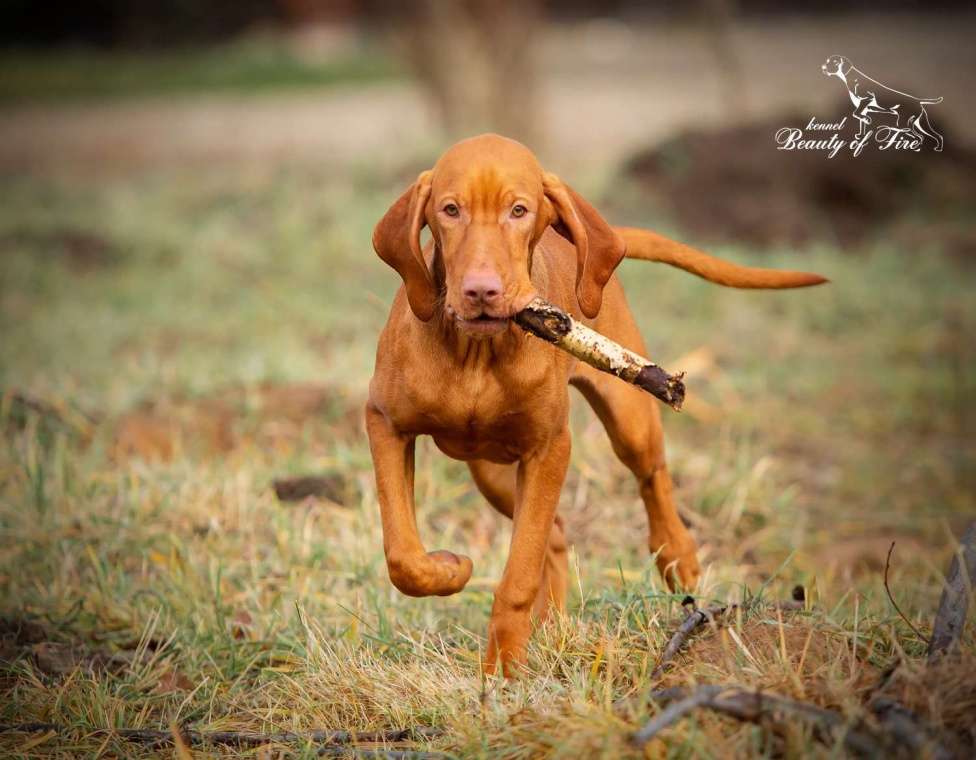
(149,576)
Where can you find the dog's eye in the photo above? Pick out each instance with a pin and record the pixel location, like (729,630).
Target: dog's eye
(518,210)
(451,209)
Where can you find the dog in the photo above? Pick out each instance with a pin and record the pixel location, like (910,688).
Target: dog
(864,91)
(452,364)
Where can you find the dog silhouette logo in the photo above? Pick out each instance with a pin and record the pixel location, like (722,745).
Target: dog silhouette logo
(891,114)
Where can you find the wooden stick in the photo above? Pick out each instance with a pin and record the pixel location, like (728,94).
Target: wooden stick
(908,730)
(951,617)
(552,324)
(695,620)
(750,705)
(698,618)
(333,742)
(899,725)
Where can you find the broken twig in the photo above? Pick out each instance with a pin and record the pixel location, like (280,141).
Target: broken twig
(695,620)
(951,617)
(699,617)
(552,324)
(333,742)
(748,705)
(908,730)
(891,598)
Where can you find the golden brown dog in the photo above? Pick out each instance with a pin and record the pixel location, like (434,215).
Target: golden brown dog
(451,364)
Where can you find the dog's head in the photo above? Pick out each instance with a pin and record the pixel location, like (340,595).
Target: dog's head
(487,202)
(836,66)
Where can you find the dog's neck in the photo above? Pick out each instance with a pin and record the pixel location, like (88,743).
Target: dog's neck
(470,351)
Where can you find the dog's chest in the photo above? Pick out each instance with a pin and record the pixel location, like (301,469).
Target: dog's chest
(493,414)
(474,403)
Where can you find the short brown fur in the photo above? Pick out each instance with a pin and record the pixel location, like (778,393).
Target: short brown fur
(450,364)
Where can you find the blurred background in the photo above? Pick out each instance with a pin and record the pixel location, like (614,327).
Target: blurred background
(189,301)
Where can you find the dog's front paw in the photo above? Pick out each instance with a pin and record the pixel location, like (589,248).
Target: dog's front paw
(455,571)
(437,573)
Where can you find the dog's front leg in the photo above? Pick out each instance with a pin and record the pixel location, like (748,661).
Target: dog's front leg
(540,479)
(412,569)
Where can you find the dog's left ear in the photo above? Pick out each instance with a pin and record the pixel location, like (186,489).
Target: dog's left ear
(598,248)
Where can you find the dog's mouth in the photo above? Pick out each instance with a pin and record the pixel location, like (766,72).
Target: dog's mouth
(483,324)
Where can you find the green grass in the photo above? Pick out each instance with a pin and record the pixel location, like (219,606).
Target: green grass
(247,67)
(828,423)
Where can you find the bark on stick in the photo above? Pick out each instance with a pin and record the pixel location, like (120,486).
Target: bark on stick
(552,324)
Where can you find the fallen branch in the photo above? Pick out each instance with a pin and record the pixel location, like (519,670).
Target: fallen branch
(695,620)
(335,742)
(699,617)
(951,617)
(748,705)
(908,730)
(552,324)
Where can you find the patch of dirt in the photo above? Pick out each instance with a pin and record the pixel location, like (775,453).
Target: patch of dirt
(332,487)
(853,557)
(158,431)
(81,250)
(733,185)
(271,417)
(813,651)
(16,635)
(50,654)
(57,658)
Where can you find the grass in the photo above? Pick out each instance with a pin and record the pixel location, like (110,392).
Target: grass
(244,66)
(195,336)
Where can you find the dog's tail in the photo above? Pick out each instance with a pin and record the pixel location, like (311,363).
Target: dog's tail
(649,246)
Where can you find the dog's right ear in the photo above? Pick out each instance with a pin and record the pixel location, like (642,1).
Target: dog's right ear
(396,238)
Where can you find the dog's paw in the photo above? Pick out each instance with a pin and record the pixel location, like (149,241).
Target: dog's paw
(455,571)
(438,573)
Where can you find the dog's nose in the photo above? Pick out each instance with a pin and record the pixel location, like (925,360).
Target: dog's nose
(481,287)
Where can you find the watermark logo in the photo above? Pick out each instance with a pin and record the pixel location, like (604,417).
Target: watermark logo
(886,118)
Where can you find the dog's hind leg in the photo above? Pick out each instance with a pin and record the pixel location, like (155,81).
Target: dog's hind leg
(633,423)
(497,484)
(923,125)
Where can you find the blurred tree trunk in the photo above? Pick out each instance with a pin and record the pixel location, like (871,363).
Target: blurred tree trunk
(476,59)
(718,19)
